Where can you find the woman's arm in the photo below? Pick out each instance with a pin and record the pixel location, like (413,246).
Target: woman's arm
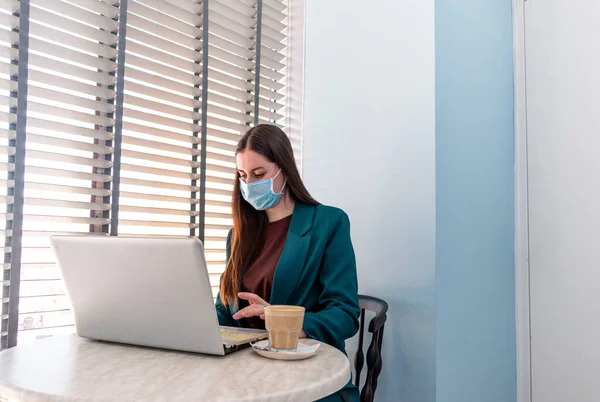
(223,312)
(338,320)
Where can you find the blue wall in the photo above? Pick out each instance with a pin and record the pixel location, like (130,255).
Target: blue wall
(369,148)
(475,310)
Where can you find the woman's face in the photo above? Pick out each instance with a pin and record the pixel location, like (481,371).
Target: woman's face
(252,167)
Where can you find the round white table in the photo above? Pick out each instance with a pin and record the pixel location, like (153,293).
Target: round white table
(69,368)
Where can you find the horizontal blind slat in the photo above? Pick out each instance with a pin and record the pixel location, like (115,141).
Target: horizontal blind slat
(240,93)
(67,174)
(159,158)
(70,40)
(159,184)
(272,42)
(131,222)
(272,64)
(231,58)
(163,121)
(9,37)
(172,10)
(152,28)
(222,43)
(68,128)
(66,24)
(189,5)
(270,115)
(155,80)
(66,219)
(75,160)
(160,172)
(276,4)
(158,68)
(216,121)
(239,116)
(235,104)
(69,69)
(271,104)
(271,34)
(63,143)
(220,16)
(164,45)
(34,106)
(271,74)
(234,37)
(45,202)
(239,7)
(160,146)
(9,53)
(162,108)
(146,91)
(10,21)
(145,11)
(272,23)
(243,83)
(80,15)
(100,7)
(156,197)
(62,188)
(156,54)
(72,100)
(237,74)
(272,85)
(270,94)
(233,11)
(271,54)
(273,12)
(156,132)
(74,56)
(65,83)
(161,211)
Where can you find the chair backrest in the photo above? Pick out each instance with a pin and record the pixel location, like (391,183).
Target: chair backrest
(374,361)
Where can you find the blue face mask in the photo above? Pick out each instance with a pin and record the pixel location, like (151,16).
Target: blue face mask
(260,194)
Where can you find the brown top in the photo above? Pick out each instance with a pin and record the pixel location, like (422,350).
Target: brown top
(258,277)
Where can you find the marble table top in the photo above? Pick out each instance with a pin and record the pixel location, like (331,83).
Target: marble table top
(69,368)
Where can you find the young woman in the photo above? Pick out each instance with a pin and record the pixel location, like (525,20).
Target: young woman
(286,248)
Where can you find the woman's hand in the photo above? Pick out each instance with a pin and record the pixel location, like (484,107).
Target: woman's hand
(256,307)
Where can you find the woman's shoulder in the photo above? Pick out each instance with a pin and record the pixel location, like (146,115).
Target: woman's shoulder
(326,214)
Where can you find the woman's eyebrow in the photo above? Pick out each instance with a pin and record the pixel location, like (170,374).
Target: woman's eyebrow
(253,170)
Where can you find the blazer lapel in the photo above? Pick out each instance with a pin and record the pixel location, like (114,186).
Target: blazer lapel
(293,256)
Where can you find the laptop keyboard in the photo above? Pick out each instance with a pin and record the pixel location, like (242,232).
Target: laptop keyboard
(229,336)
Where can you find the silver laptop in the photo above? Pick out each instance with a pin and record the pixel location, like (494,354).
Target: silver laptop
(145,291)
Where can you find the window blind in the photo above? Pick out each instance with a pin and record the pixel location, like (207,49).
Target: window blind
(190,78)
(68,151)
(231,97)
(159,165)
(275,78)
(9,56)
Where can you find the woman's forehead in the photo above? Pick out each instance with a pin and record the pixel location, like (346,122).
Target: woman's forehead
(249,160)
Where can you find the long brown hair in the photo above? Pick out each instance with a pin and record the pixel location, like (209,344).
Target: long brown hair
(249,224)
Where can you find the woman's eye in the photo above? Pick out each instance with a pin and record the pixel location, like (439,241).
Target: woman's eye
(258,176)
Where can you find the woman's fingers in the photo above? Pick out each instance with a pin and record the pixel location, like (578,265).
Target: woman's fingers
(252,298)
(256,307)
(250,311)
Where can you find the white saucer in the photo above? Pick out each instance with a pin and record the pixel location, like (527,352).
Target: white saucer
(306,348)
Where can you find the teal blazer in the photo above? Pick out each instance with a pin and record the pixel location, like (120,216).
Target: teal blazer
(317,270)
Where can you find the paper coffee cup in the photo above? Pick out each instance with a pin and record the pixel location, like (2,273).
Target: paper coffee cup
(284,324)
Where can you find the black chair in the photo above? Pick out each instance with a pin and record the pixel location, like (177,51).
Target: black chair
(374,362)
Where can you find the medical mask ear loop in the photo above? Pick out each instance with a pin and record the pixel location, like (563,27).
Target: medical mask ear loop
(273,181)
